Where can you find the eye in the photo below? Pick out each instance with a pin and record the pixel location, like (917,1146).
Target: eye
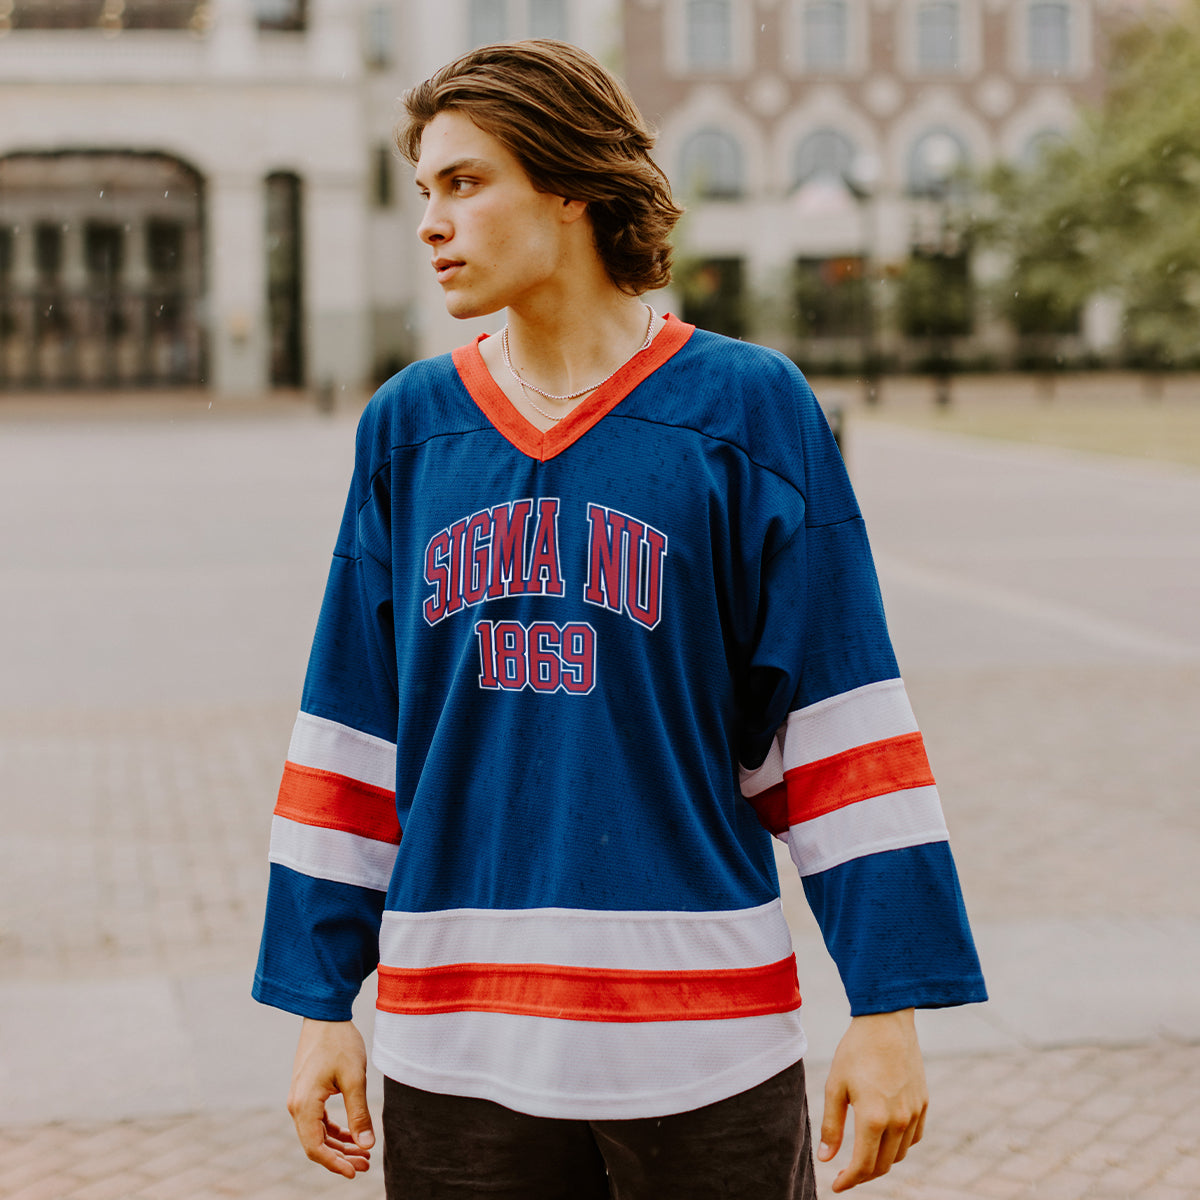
(461,185)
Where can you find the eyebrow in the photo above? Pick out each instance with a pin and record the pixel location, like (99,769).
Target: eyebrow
(460,164)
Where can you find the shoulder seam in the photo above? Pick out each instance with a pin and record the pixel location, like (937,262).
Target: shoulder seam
(383,466)
(713,438)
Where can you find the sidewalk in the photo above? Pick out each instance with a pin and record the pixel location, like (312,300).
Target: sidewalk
(160,580)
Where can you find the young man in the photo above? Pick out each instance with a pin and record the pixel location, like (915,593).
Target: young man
(601,618)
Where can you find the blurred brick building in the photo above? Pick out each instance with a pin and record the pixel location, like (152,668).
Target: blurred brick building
(822,145)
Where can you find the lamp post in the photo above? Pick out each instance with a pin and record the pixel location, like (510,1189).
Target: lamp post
(942,157)
(862,179)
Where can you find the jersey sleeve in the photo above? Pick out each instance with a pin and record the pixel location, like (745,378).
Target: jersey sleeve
(335,831)
(839,768)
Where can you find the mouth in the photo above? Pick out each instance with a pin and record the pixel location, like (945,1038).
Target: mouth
(446,268)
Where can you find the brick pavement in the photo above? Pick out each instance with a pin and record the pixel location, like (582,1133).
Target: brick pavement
(1073,1124)
(136,808)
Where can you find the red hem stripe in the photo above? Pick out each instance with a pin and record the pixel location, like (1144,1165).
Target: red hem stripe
(591,993)
(891,765)
(330,801)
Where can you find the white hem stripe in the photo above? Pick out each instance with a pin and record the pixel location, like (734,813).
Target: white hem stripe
(636,941)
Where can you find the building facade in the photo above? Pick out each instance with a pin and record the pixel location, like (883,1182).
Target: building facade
(820,145)
(205,192)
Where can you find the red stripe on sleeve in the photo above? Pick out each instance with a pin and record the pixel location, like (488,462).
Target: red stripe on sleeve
(591,993)
(891,765)
(331,801)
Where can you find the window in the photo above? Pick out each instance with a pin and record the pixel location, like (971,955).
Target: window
(936,296)
(709,34)
(1049,37)
(103,252)
(384,189)
(826,154)
(937,36)
(94,14)
(825,42)
(548,19)
(711,166)
(936,159)
(112,291)
(283,15)
(488,21)
(831,297)
(285,278)
(164,249)
(48,252)
(378,42)
(714,295)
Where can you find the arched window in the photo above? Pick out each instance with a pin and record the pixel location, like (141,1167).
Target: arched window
(709,34)
(936,158)
(825,35)
(938,37)
(824,154)
(711,166)
(102,283)
(1049,36)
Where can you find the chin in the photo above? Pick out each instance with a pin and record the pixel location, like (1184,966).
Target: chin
(463,308)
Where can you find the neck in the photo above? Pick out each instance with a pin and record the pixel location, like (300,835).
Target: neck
(575,345)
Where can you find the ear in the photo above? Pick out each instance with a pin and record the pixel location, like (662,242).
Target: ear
(573,210)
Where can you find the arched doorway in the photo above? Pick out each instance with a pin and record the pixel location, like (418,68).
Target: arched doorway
(101,270)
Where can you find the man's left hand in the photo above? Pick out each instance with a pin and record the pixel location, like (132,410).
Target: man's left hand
(877,1071)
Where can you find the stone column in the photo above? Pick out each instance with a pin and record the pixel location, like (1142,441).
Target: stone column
(237,317)
(336,287)
(232,44)
(334,49)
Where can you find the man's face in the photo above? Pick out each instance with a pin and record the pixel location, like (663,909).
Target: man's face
(495,240)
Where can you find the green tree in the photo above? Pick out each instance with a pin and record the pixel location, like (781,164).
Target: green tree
(1116,209)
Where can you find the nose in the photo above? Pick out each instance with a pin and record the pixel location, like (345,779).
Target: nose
(433,228)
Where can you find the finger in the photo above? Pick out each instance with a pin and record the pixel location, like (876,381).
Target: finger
(833,1120)
(341,1141)
(912,1135)
(331,1157)
(358,1114)
(311,1129)
(868,1135)
(889,1151)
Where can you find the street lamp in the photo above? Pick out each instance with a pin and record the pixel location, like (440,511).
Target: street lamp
(861,178)
(941,156)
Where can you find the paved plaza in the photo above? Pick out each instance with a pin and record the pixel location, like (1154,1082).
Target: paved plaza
(160,573)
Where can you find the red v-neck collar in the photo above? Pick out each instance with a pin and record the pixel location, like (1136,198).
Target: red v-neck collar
(544,445)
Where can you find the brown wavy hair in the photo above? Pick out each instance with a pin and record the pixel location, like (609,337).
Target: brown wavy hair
(577,132)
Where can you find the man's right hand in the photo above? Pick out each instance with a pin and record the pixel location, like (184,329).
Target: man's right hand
(332,1059)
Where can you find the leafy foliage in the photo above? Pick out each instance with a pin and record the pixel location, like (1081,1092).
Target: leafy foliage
(1117,208)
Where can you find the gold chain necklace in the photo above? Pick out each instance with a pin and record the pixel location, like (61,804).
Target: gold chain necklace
(526,388)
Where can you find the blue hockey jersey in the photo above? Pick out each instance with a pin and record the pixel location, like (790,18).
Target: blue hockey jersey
(564,687)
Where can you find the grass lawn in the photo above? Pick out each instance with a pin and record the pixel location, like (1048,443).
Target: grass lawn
(1113,413)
